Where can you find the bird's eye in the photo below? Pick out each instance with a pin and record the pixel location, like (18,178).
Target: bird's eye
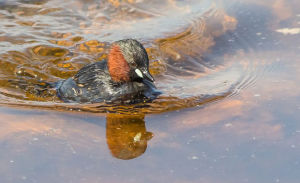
(133,65)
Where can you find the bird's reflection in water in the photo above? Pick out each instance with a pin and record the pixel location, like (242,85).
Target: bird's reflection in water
(126,135)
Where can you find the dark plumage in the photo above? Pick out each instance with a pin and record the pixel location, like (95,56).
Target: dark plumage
(124,77)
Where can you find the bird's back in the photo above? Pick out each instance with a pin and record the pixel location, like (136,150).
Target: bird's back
(88,85)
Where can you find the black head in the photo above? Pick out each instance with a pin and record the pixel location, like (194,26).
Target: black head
(137,58)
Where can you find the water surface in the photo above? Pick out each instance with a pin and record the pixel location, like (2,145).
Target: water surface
(229,73)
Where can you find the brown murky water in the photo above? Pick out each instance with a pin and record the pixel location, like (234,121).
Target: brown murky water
(229,74)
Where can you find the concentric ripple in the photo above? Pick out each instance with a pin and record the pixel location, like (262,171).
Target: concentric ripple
(197,50)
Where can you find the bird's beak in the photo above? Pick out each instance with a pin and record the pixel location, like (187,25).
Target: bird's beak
(144,74)
(148,76)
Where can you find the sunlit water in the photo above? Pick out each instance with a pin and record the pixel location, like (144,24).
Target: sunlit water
(228,71)
(46,42)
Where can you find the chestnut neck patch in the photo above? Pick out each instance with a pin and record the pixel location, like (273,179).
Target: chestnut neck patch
(117,65)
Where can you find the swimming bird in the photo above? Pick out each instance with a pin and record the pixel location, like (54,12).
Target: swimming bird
(123,77)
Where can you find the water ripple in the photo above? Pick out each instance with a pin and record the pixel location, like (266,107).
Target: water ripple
(196,50)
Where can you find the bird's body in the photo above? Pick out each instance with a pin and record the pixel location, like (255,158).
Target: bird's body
(124,77)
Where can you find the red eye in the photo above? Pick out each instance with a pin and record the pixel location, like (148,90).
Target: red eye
(133,65)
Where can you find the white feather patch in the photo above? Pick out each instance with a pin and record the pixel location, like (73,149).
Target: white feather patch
(139,73)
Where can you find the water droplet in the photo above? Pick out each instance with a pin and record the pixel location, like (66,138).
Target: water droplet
(227,125)
(35,139)
(293,146)
(194,157)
